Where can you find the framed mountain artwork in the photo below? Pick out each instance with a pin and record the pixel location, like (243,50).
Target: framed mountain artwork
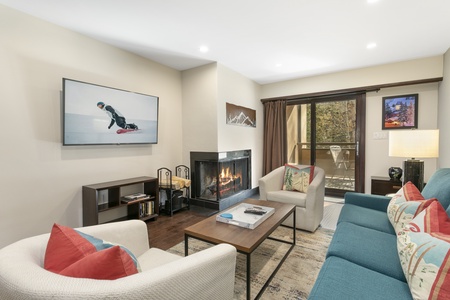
(241,116)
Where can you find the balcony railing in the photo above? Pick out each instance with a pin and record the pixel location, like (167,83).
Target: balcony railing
(339,172)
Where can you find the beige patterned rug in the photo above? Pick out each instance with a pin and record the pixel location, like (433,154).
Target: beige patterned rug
(296,276)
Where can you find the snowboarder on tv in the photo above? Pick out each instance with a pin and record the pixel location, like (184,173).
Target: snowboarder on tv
(116,117)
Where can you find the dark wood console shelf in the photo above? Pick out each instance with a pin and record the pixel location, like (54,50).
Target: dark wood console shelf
(104,202)
(384,185)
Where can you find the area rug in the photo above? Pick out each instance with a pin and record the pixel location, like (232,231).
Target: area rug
(295,278)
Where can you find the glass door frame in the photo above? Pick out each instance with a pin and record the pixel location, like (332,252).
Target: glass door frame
(360,135)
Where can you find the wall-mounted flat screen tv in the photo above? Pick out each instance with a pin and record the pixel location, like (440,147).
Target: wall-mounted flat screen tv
(99,115)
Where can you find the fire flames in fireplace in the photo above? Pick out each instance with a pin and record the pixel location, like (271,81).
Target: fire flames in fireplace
(228,183)
(227,177)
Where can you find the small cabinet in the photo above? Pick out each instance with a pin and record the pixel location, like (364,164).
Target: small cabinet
(384,185)
(107,202)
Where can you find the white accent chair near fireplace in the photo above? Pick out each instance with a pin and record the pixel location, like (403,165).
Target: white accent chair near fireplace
(207,274)
(309,206)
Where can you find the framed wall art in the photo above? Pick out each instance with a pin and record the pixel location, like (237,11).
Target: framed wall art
(239,115)
(400,112)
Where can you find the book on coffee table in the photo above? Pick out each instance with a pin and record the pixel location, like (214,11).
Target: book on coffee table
(238,216)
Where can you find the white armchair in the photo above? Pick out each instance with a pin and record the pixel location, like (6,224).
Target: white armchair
(208,274)
(309,206)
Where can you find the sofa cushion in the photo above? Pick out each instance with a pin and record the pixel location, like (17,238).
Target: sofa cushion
(368,248)
(405,205)
(341,279)
(296,179)
(424,252)
(298,199)
(438,187)
(111,263)
(155,257)
(366,217)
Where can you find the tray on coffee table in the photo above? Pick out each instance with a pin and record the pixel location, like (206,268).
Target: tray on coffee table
(247,220)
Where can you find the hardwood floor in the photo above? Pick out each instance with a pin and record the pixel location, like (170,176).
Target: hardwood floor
(167,231)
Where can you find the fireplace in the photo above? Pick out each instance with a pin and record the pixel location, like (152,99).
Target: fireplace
(220,175)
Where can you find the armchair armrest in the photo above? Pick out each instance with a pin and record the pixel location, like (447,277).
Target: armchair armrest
(208,274)
(315,195)
(273,181)
(376,202)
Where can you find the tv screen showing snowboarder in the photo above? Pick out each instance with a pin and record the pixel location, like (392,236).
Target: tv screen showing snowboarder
(96,115)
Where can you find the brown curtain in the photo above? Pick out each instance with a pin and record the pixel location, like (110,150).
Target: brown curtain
(274,152)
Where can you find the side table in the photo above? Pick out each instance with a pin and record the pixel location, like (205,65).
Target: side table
(384,185)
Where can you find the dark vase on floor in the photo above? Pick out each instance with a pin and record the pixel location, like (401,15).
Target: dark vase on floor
(395,173)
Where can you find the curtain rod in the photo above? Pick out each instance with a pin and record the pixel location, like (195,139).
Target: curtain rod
(351,91)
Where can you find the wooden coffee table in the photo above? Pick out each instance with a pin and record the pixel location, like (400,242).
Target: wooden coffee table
(245,240)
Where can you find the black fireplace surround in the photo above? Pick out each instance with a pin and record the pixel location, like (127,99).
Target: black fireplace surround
(218,176)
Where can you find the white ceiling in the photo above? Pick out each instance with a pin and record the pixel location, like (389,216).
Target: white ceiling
(265,40)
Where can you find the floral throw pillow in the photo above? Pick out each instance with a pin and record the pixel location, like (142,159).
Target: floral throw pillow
(296,179)
(405,205)
(424,252)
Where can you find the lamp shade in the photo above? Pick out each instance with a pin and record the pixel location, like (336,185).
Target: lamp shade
(414,143)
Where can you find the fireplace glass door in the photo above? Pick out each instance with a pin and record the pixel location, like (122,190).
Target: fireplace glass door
(217,180)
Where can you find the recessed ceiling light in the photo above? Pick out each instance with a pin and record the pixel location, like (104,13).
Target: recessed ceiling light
(278,65)
(371,45)
(204,49)
(372,1)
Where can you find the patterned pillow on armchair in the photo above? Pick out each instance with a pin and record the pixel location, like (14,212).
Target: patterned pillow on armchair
(296,179)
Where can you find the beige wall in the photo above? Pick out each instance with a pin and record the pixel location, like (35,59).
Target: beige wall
(206,90)
(199,115)
(396,72)
(377,159)
(237,89)
(40,179)
(444,113)
(377,150)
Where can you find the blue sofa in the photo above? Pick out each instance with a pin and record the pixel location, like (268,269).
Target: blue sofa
(362,260)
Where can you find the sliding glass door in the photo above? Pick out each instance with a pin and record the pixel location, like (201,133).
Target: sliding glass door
(326,132)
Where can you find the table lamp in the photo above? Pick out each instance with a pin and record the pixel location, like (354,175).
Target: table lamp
(414,144)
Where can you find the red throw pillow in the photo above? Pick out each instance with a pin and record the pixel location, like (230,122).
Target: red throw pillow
(111,263)
(76,254)
(433,220)
(411,192)
(65,246)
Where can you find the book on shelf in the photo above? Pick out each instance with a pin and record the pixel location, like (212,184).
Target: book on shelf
(135,198)
(146,208)
(149,206)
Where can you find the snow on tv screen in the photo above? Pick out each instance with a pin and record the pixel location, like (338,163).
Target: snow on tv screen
(99,115)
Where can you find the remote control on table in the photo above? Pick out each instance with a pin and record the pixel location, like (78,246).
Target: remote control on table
(254,211)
